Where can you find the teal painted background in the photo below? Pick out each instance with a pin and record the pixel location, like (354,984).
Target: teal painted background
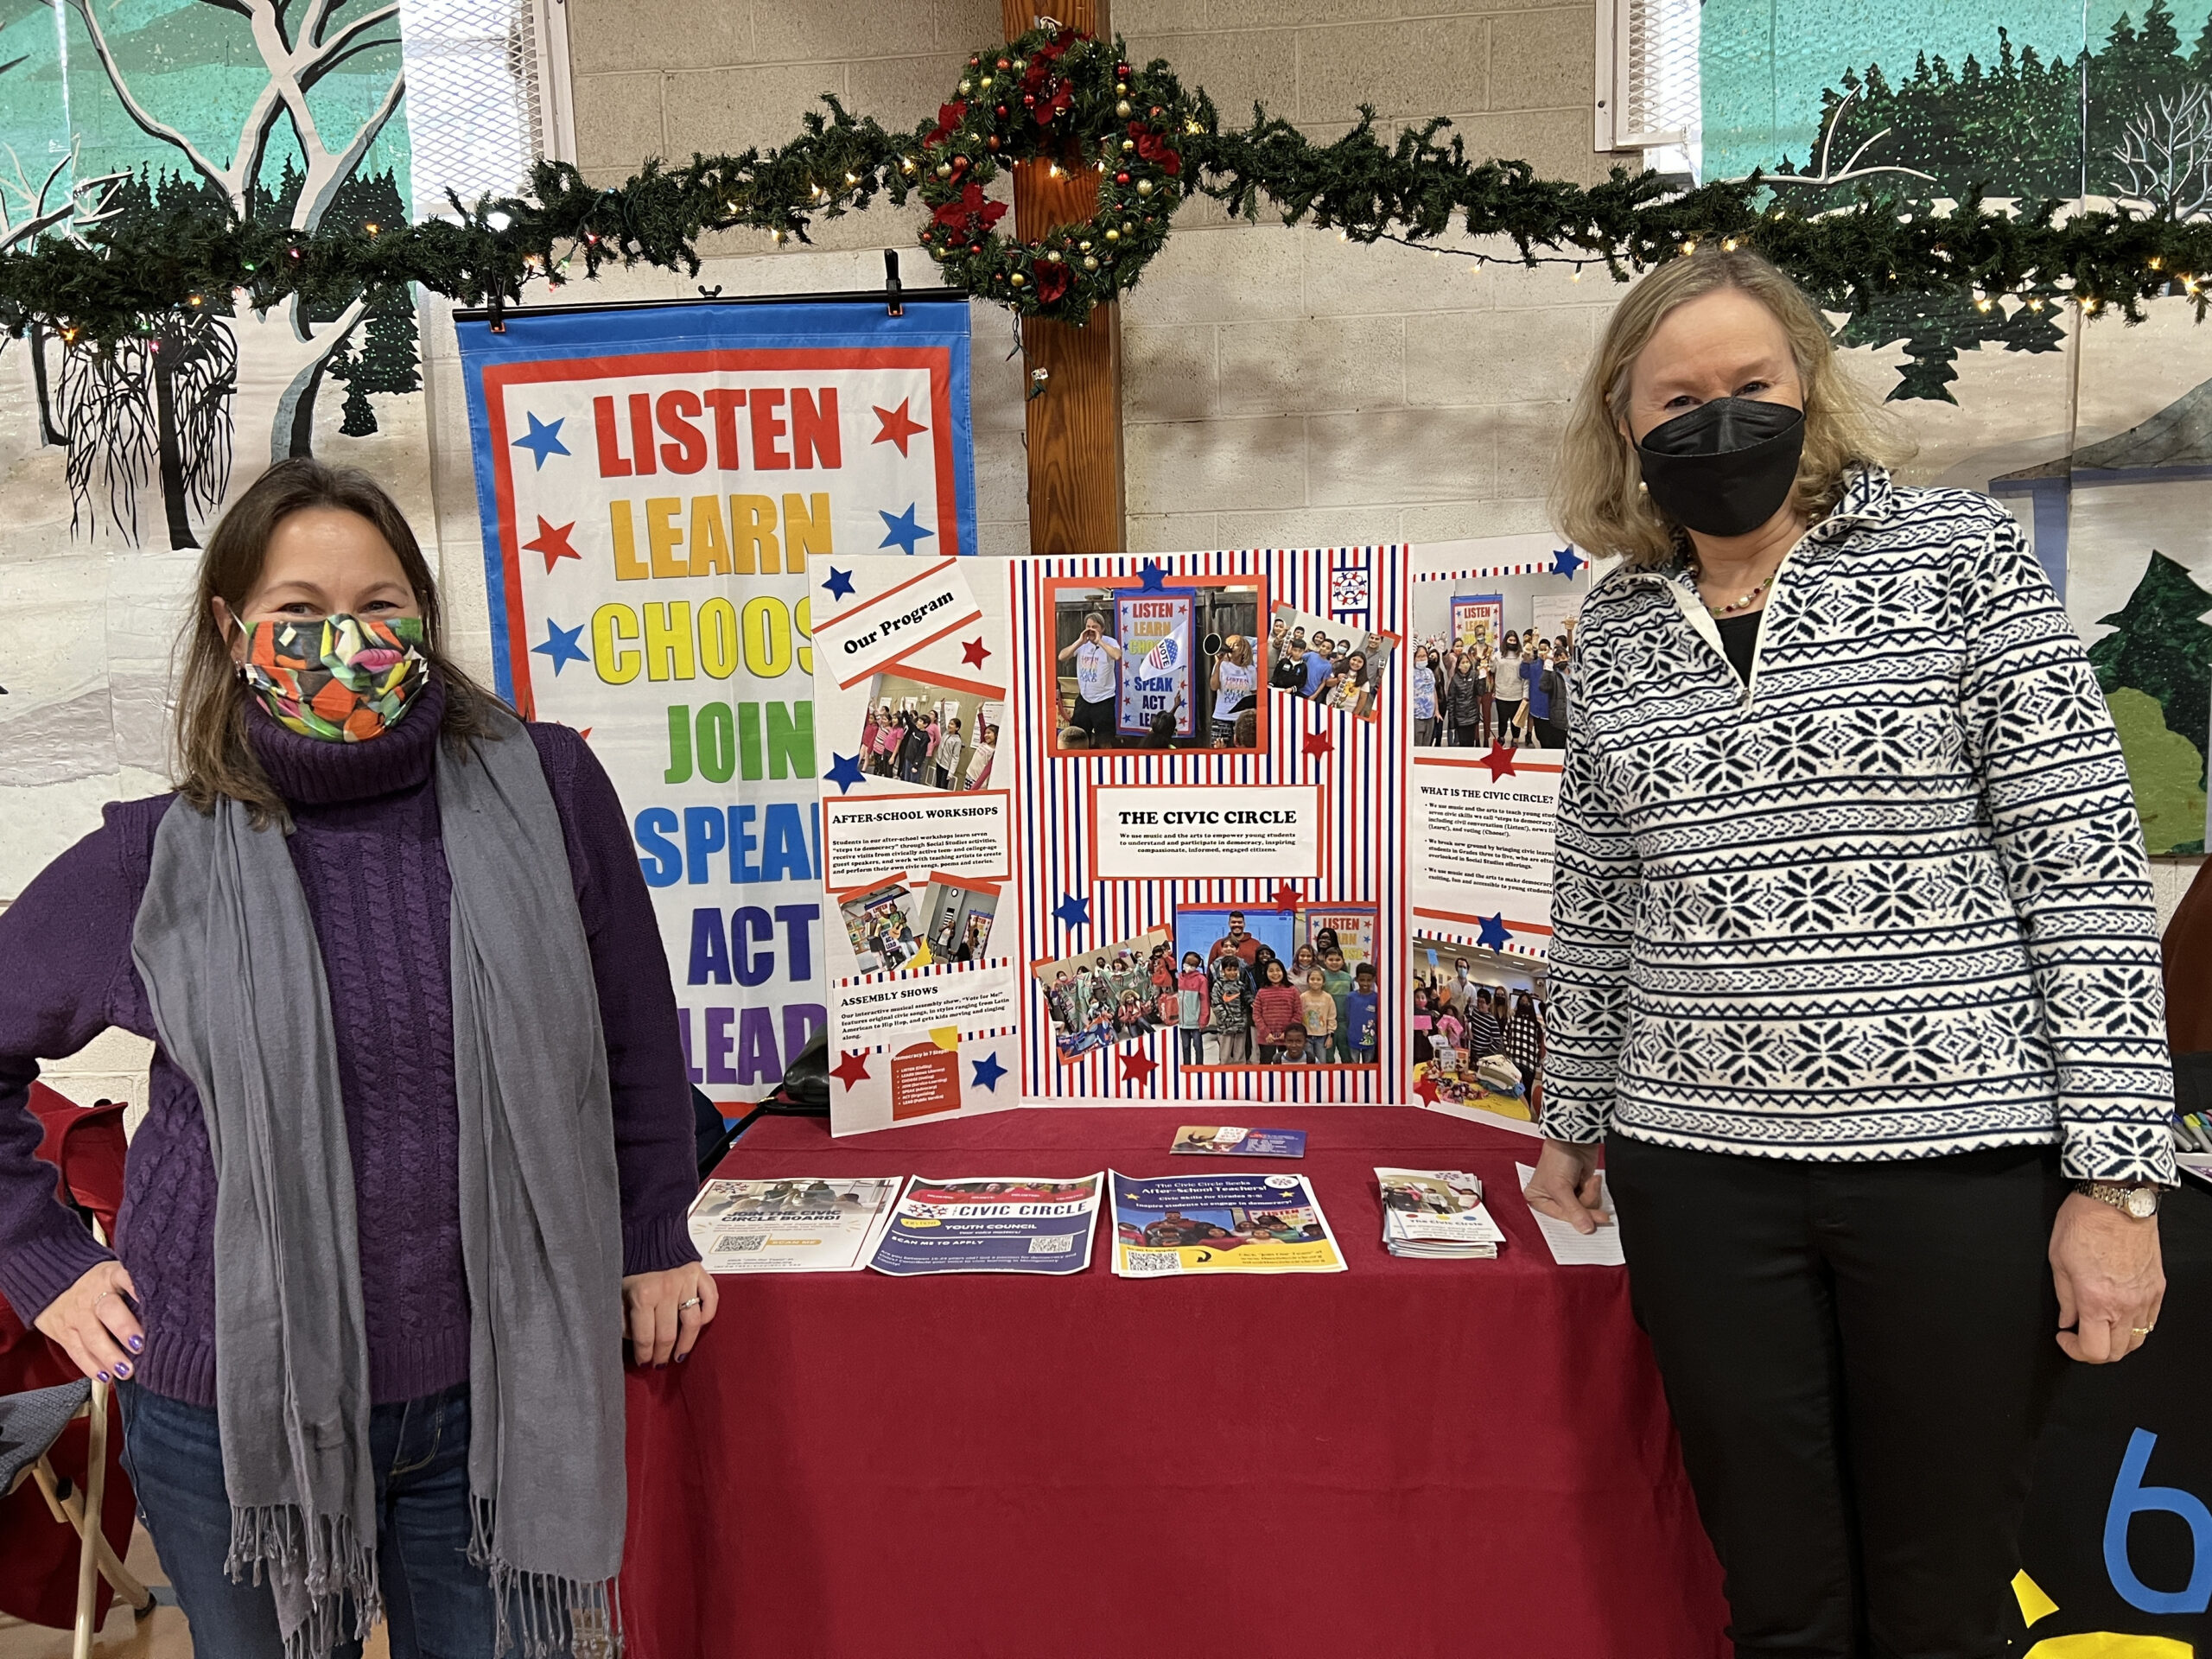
(192,64)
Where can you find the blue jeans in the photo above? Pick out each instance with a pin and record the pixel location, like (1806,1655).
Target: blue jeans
(439,1606)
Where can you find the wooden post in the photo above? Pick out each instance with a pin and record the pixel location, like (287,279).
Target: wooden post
(1075,422)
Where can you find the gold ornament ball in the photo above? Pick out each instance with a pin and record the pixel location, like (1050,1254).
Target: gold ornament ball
(966,87)
(987,83)
(1082,247)
(945,169)
(1113,236)
(1121,86)
(1128,144)
(1053,254)
(1144,187)
(1017,279)
(1123,109)
(1090,261)
(1021,63)
(1125,227)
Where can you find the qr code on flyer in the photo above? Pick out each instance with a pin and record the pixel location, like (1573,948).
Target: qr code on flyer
(1059,1244)
(1152,1261)
(741,1242)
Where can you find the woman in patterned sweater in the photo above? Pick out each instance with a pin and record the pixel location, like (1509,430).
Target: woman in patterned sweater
(1855,971)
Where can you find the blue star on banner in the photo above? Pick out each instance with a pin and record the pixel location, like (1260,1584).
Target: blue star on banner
(561,645)
(542,440)
(840,583)
(1566,561)
(1150,576)
(988,1072)
(1073,912)
(1495,932)
(844,771)
(902,532)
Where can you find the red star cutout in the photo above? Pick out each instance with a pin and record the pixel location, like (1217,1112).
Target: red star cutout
(897,426)
(1138,1068)
(850,1068)
(1500,762)
(553,542)
(972,653)
(1426,1088)
(1286,896)
(1317,743)
(585,734)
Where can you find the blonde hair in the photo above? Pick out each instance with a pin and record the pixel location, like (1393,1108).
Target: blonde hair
(1597,497)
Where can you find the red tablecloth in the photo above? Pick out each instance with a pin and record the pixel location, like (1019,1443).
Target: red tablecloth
(1469,1459)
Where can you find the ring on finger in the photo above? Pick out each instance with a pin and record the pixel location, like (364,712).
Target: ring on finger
(2141,1330)
(692,1301)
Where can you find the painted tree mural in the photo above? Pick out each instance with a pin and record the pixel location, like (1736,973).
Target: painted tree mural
(2156,671)
(207,400)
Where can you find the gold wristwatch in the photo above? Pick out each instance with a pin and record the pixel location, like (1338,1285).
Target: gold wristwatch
(2140,1202)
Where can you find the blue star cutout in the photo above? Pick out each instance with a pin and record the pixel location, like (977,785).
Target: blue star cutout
(542,440)
(844,771)
(902,532)
(1073,911)
(561,645)
(1495,932)
(1566,561)
(1150,576)
(988,1072)
(840,583)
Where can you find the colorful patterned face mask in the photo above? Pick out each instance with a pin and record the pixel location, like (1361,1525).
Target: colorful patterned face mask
(342,678)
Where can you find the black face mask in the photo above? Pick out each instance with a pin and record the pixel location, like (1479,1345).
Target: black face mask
(1725,468)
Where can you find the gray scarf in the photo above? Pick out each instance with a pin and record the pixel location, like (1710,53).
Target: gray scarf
(228,952)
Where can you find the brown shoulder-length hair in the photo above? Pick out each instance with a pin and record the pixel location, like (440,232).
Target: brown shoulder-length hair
(213,757)
(1597,497)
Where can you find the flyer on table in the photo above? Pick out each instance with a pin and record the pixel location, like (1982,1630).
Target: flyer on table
(796,1224)
(991,1224)
(1181,1224)
(1214,1141)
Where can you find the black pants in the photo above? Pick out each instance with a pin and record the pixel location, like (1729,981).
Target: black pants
(1859,1358)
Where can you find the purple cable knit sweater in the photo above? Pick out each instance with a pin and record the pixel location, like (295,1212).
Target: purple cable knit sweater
(367,847)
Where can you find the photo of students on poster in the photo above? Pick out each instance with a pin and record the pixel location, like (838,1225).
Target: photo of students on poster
(1334,664)
(1478,1027)
(1261,967)
(1112,995)
(1173,669)
(884,924)
(924,736)
(1491,660)
(958,916)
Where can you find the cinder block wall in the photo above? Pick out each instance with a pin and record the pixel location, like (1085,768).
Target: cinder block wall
(1282,385)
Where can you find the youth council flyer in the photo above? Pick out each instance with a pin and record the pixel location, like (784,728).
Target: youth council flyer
(991,1224)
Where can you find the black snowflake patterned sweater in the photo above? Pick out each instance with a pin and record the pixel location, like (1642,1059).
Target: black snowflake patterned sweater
(1888,899)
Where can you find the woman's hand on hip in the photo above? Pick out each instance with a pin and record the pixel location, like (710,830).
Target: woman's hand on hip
(665,1312)
(2109,1278)
(95,1325)
(1566,1184)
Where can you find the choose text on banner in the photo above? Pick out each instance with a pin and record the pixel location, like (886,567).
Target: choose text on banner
(651,481)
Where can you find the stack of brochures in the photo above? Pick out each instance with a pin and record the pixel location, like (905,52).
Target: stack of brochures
(1436,1214)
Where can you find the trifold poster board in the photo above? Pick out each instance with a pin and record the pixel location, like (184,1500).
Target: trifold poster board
(1135,829)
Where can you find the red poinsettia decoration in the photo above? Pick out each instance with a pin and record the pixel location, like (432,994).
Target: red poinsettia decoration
(948,117)
(1056,101)
(958,218)
(1151,147)
(1054,280)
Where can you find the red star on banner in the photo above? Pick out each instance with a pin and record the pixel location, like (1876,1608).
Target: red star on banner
(1138,1068)
(972,653)
(553,542)
(585,734)
(1317,743)
(1286,896)
(1500,762)
(898,427)
(850,1068)
(1426,1088)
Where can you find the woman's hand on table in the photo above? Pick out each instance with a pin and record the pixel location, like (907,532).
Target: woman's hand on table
(663,1312)
(1566,1184)
(95,1325)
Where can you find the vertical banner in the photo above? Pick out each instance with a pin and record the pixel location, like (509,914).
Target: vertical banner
(652,481)
(1154,631)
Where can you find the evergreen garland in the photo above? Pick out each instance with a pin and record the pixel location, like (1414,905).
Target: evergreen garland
(1058,96)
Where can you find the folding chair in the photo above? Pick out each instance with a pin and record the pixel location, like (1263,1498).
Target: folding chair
(30,1425)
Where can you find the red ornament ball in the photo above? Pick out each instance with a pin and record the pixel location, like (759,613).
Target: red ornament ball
(1122,70)
(1029,100)
(1004,63)
(1121,178)
(992,141)
(1002,111)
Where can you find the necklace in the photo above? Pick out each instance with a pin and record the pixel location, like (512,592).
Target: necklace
(1748,599)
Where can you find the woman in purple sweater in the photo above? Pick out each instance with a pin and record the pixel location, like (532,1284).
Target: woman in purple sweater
(418,1148)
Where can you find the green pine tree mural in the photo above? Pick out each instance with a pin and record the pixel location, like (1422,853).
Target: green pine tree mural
(2160,652)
